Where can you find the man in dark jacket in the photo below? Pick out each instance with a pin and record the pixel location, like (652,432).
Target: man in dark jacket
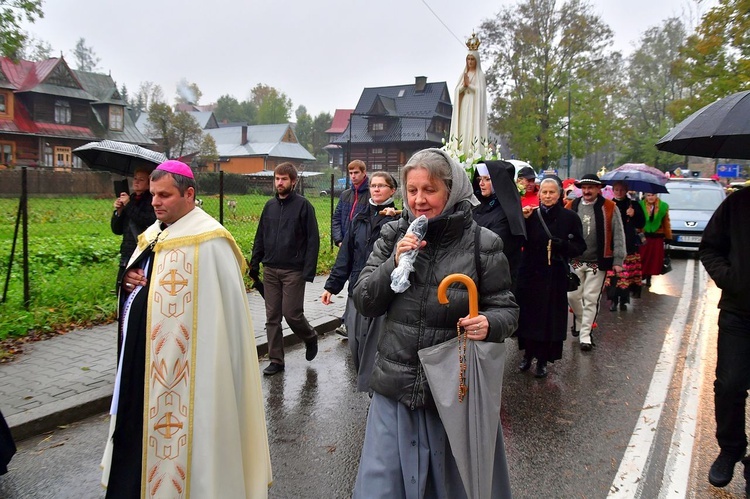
(132,215)
(351,201)
(724,252)
(287,244)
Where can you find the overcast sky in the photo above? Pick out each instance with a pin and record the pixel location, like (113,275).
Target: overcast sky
(321,53)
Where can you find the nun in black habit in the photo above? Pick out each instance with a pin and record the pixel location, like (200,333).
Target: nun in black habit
(500,209)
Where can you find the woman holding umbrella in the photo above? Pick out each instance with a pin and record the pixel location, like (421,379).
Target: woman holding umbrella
(656,230)
(621,285)
(406,452)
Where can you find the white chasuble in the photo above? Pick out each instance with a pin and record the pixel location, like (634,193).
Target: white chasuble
(204,420)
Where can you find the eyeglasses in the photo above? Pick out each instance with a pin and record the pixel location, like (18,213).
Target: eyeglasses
(380,186)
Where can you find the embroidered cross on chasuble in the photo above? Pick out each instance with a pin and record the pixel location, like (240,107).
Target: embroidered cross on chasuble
(170,374)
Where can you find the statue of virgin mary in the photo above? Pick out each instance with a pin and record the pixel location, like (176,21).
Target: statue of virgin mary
(469,119)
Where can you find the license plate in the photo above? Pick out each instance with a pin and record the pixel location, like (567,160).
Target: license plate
(689,239)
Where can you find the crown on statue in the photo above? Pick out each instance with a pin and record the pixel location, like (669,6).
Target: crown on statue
(473,42)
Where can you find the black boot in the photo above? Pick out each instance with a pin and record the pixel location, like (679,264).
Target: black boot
(613,307)
(624,298)
(541,369)
(525,364)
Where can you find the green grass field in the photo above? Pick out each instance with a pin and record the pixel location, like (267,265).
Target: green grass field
(73,258)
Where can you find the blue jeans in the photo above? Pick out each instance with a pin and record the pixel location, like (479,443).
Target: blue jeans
(732,382)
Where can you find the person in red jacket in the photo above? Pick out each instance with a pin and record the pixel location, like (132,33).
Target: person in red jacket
(527,177)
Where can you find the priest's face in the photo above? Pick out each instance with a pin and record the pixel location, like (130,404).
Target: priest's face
(284,185)
(169,205)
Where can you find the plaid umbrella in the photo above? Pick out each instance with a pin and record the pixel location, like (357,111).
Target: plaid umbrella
(118,157)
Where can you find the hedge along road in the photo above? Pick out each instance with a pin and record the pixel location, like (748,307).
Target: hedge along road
(73,256)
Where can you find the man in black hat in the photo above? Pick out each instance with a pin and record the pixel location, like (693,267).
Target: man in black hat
(605,250)
(527,177)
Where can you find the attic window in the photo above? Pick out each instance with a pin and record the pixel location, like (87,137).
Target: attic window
(6,104)
(116,115)
(62,112)
(401,92)
(378,127)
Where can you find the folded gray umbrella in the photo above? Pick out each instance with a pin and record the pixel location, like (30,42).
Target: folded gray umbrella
(118,157)
(718,130)
(473,423)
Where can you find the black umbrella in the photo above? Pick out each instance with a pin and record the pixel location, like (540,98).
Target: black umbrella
(118,157)
(719,130)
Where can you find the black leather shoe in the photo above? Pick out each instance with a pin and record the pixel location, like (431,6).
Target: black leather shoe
(722,470)
(586,347)
(613,307)
(311,349)
(541,370)
(573,331)
(524,365)
(273,368)
(623,306)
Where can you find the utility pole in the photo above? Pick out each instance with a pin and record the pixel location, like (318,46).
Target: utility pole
(568,174)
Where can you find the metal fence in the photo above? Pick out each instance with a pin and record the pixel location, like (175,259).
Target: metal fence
(50,215)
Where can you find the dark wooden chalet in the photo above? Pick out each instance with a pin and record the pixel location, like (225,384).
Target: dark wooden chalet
(48,109)
(390,124)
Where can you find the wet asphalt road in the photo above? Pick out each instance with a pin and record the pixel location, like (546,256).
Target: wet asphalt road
(565,435)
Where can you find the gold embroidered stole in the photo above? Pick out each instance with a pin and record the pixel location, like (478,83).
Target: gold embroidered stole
(170,368)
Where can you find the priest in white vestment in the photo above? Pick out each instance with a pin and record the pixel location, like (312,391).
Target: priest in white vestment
(187,416)
(469,118)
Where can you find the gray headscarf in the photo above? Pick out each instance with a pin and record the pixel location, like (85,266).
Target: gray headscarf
(460,189)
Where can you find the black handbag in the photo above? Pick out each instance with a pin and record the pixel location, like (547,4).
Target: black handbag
(666,267)
(573,280)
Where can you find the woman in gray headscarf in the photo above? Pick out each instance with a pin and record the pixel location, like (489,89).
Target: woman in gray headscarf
(406,452)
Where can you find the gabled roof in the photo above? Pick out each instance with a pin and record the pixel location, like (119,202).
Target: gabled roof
(54,77)
(51,76)
(408,111)
(100,86)
(340,121)
(262,140)
(205,119)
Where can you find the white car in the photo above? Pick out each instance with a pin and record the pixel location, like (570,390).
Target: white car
(518,165)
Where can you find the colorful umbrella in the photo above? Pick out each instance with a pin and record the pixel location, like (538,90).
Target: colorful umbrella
(639,177)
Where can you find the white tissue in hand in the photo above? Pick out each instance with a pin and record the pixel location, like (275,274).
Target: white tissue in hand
(400,275)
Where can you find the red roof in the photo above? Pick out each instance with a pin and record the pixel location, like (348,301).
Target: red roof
(340,120)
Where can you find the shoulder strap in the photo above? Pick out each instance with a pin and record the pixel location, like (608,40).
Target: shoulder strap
(544,225)
(477,261)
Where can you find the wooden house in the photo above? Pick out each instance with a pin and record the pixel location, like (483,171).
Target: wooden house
(48,109)
(256,148)
(390,124)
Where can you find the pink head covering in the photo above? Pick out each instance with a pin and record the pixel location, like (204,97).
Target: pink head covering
(176,168)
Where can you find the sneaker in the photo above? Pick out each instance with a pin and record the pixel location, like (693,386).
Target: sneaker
(273,368)
(722,470)
(311,349)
